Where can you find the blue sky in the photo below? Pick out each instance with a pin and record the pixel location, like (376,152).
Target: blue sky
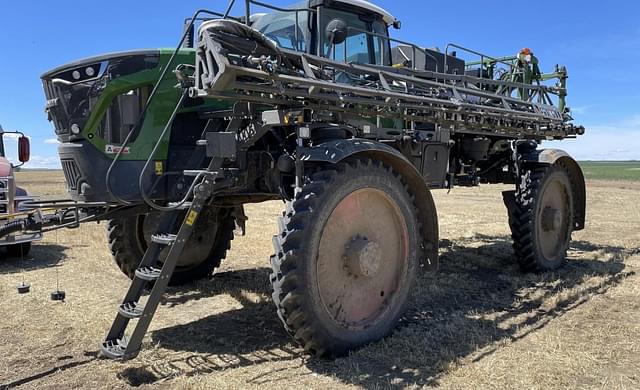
(599,42)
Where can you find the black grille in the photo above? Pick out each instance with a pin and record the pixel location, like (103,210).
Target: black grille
(55,107)
(71,173)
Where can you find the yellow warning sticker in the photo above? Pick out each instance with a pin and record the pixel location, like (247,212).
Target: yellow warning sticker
(159,168)
(191,218)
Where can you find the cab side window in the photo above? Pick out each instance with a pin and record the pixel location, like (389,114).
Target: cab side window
(288,30)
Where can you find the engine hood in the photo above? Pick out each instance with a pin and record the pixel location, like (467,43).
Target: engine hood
(100,58)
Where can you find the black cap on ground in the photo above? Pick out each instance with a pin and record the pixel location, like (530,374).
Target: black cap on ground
(23,288)
(58,295)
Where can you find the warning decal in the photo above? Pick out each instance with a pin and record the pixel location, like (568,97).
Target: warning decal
(114,149)
(191,218)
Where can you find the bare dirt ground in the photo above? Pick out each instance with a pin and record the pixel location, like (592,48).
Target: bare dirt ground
(477,323)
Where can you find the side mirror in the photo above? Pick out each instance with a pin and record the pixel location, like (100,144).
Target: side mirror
(24,149)
(397,24)
(337,31)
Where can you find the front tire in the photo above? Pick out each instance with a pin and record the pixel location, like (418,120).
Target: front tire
(542,217)
(346,257)
(207,247)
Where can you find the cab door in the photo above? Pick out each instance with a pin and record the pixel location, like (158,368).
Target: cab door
(366,41)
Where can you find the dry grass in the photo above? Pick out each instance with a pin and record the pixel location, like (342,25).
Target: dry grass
(478,323)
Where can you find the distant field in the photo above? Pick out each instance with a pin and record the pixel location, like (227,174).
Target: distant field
(613,170)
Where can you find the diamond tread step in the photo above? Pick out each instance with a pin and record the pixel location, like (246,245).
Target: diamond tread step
(164,239)
(149,274)
(119,347)
(131,310)
(114,349)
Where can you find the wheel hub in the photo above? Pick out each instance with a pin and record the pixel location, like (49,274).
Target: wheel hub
(551,219)
(553,226)
(363,257)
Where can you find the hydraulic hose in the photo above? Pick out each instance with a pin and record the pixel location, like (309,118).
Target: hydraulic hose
(152,95)
(31,223)
(143,193)
(12,227)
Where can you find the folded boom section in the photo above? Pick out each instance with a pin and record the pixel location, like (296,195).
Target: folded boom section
(235,62)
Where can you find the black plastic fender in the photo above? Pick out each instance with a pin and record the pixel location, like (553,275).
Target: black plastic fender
(334,151)
(557,156)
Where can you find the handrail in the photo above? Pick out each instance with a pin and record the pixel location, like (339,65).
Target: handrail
(229,7)
(226,15)
(146,106)
(144,194)
(481,55)
(489,60)
(441,102)
(278,9)
(391,39)
(388,38)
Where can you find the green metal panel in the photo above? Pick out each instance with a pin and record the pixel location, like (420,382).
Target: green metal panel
(157,114)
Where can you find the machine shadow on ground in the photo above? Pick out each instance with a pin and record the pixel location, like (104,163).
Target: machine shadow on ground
(41,256)
(478,298)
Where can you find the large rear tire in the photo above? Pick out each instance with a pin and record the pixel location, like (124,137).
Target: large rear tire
(129,236)
(346,257)
(541,217)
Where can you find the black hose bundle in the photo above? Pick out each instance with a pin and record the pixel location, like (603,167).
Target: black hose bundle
(13,227)
(33,223)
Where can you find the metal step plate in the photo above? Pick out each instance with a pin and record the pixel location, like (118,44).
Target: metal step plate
(114,349)
(163,239)
(131,310)
(149,274)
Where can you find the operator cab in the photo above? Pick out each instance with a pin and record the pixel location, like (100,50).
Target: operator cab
(354,31)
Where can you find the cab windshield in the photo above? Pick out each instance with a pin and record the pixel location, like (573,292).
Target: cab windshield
(364,43)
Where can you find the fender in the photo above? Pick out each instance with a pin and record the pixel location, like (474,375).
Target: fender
(557,156)
(335,151)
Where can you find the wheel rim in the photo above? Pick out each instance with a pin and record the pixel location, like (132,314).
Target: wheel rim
(198,246)
(553,220)
(362,258)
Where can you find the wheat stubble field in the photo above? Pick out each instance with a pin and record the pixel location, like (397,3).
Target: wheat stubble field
(477,323)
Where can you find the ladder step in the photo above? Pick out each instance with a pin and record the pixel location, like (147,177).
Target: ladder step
(276,243)
(114,349)
(164,239)
(282,226)
(148,273)
(116,345)
(131,310)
